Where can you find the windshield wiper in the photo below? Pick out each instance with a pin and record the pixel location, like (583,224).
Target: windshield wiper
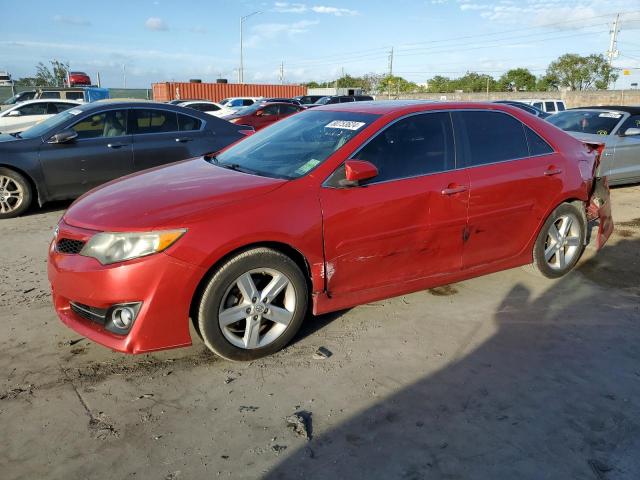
(230,166)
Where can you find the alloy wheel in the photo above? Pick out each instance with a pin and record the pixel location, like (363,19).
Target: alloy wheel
(11,194)
(563,241)
(257,308)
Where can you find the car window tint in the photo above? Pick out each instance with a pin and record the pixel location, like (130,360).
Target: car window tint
(33,109)
(598,122)
(247,102)
(75,96)
(538,105)
(209,107)
(632,122)
(537,145)
(550,106)
(561,107)
(270,110)
(154,121)
(107,124)
(288,109)
(492,137)
(50,95)
(188,123)
(60,107)
(415,145)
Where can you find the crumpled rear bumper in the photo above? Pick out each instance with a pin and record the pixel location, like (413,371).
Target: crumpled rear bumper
(599,213)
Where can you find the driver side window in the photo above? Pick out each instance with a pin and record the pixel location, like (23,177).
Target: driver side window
(33,109)
(107,124)
(632,122)
(270,110)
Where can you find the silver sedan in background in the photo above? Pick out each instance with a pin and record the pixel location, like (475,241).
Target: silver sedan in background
(618,128)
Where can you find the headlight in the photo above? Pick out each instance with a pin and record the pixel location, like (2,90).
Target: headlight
(118,247)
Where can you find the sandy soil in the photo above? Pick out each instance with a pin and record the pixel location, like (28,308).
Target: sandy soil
(504,376)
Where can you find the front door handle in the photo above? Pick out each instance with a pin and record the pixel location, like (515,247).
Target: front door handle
(552,171)
(183,139)
(116,145)
(452,189)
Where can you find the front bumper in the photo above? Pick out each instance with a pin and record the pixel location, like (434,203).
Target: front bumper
(163,284)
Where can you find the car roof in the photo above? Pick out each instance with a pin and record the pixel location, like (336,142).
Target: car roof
(619,108)
(43,100)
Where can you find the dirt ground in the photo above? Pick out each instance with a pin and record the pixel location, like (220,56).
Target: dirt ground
(501,377)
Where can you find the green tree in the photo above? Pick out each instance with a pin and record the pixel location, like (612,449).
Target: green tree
(474,82)
(54,76)
(439,84)
(27,82)
(547,83)
(517,79)
(582,72)
(396,85)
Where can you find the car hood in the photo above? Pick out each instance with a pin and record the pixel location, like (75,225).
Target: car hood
(171,196)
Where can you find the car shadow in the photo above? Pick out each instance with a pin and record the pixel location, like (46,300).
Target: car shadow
(312,325)
(60,205)
(554,393)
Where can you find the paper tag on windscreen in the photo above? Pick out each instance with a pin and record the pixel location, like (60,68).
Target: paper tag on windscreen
(307,166)
(345,125)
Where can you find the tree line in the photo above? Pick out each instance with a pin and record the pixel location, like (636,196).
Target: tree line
(571,71)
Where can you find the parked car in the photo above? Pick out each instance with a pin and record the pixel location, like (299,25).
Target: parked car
(618,128)
(205,106)
(80,148)
(236,103)
(17,98)
(526,107)
(82,94)
(329,100)
(26,114)
(308,99)
(260,115)
(547,105)
(333,207)
(79,78)
(5,79)
(178,101)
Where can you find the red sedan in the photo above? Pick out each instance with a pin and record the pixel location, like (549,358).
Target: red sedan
(260,115)
(333,207)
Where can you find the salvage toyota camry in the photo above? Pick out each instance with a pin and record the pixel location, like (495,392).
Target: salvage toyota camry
(328,209)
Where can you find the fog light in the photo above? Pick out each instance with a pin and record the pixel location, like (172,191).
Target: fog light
(122,317)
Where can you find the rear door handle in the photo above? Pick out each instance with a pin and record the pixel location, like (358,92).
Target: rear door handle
(183,139)
(552,171)
(116,145)
(453,189)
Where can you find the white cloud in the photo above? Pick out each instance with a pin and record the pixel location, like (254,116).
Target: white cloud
(271,31)
(72,20)
(286,7)
(156,24)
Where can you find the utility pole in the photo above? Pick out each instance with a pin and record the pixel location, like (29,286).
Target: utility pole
(390,73)
(241,69)
(282,73)
(613,42)
(124,76)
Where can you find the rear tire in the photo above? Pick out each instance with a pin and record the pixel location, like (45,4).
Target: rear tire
(560,242)
(253,305)
(15,193)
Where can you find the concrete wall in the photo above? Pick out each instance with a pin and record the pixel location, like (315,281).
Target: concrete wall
(571,99)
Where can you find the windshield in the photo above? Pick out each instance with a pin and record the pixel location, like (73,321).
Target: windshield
(323,100)
(296,145)
(12,100)
(224,101)
(596,122)
(43,127)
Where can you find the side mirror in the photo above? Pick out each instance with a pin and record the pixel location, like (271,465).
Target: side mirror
(64,136)
(357,171)
(14,113)
(631,132)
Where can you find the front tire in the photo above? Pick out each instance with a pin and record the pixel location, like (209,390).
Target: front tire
(560,242)
(253,305)
(15,193)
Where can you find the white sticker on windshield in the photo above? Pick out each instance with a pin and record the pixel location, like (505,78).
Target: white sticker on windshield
(74,111)
(345,125)
(610,115)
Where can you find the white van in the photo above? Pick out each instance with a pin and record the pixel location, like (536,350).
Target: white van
(549,105)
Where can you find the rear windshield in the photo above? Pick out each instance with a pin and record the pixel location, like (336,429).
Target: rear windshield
(596,122)
(296,145)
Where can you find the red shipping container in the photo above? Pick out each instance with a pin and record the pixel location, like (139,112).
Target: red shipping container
(163,92)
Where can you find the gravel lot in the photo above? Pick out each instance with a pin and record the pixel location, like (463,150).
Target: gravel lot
(500,377)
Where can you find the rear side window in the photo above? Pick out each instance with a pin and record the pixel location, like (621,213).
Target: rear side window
(538,105)
(416,145)
(288,109)
(154,121)
(246,102)
(561,107)
(188,123)
(491,137)
(34,109)
(270,110)
(75,96)
(549,106)
(50,95)
(537,145)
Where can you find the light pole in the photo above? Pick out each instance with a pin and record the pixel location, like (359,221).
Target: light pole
(241,69)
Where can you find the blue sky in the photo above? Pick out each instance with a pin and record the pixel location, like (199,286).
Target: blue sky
(164,40)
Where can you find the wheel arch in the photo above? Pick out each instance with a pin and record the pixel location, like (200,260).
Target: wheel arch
(296,255)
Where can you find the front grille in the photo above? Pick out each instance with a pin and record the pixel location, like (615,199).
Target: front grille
(90,313)
(69,246)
